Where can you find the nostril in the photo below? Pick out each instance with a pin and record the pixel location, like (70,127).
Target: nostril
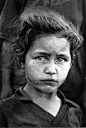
(50,73)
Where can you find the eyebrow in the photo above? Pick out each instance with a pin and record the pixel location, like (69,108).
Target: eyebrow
(63,55)
(48,54)
(43,53)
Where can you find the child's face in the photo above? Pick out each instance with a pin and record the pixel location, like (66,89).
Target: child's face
(47,63)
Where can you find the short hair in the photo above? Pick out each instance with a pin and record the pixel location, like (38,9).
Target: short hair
(37,20)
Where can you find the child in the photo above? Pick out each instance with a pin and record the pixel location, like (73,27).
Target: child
(47,44)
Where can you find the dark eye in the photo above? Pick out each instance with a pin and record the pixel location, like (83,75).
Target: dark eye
(42,58)
(60,60)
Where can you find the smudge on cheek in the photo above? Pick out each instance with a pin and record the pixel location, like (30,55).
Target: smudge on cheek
(33,69)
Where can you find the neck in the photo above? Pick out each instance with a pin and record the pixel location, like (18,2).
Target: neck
(36,94)
(49,102)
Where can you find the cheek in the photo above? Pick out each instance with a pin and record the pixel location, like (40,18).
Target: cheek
(64,71)
(33,70)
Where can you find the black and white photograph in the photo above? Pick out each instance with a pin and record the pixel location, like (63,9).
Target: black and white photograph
(42,63)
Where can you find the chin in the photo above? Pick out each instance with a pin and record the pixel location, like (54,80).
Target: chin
(47,89)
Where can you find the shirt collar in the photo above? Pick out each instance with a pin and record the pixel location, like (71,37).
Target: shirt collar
(21,95)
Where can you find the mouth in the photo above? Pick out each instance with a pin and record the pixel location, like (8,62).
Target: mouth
(49,82)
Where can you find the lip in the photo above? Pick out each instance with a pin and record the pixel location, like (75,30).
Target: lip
(49,81)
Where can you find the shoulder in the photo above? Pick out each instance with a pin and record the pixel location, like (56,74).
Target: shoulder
(8,103)
(74,113)
(72,104)
(4,111)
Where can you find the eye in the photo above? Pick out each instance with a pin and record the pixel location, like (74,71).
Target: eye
(41,58)
(60,60)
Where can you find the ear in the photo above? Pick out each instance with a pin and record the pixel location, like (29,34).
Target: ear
(71,64)
(22,65)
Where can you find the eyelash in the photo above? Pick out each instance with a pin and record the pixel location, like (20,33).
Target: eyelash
(62,59)
(44,58)
(41,57)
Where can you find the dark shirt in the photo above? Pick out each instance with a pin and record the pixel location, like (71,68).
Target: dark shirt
(75,10)
(20,111)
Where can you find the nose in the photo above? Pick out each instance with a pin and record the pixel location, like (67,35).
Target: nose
(50,68)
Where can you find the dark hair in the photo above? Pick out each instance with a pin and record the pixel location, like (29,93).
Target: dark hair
(39,20)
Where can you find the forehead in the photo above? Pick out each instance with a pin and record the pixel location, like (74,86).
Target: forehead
(51,43)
